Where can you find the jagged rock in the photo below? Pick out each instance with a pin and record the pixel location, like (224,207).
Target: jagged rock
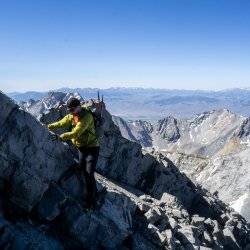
(168,129)
(173,223)
(143,207)
(169,238)
(209,224)
(152,229)
(22,236)
(237,215)
(231,223)
(224,218)
(198,221)
(169,199)
(51,202)
(212,148)
(153,215)
(137,131)
(229,240)
(177,213)
(217,232)
(187,237)
(208,240)
(147,198)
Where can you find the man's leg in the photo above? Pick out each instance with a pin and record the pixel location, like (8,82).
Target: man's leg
(91,161)
(82,165)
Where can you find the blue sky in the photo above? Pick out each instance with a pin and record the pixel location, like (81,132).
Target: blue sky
(188,44)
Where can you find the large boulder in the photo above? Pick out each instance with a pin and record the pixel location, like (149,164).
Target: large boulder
(30,160)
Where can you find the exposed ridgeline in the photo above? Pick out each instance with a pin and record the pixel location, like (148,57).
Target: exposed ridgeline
(212,148)
(206,134)
(143,203)
(49,101)
(154,104)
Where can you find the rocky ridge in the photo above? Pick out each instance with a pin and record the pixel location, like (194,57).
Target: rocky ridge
(154,104)
(145,203)
(212,149)
(205,134)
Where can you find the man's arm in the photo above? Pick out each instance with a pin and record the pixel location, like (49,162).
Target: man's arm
(78,129)
(64,122)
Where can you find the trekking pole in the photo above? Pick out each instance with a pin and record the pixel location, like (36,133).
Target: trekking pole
(102,106)
(98,96)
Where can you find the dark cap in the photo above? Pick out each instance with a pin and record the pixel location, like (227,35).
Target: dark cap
(73,102)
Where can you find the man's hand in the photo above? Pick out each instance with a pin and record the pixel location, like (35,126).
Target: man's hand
(63,137)
(49,126)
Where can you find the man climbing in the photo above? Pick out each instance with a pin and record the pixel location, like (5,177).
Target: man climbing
(83,136)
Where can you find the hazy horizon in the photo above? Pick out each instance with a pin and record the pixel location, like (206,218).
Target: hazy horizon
(134,87)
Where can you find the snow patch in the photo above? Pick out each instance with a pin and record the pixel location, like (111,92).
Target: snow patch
(247,142)
(191,136)
(164,150)
(238,204)
(45,105)
(134,124)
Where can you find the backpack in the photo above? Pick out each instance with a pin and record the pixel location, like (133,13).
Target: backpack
(95,107)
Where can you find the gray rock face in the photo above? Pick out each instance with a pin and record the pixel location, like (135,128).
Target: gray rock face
(228,175)
(22,235)
(137,131)
(244,130)
(212,149)
(144,202)
(168,129)
(204,135)
(28,154)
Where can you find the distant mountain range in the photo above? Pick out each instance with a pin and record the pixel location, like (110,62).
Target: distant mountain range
(154,104)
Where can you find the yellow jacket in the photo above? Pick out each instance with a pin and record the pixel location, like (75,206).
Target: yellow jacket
(83,133)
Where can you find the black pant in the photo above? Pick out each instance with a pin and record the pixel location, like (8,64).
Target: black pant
(87,160)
